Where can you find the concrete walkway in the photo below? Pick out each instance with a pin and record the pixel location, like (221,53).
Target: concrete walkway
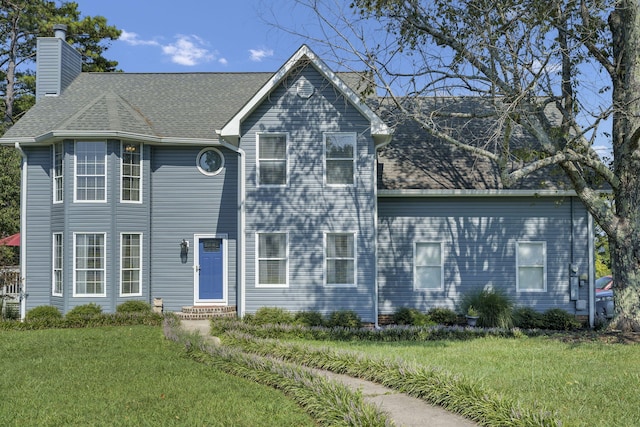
(404,410)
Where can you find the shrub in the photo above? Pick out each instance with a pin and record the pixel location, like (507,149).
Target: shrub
(43,312)
(560,320)
(494,307)
(270,316)
(134,306)
(344,318)
(443,316)
(527,318)
(84,312)
(309,318)
(410,316)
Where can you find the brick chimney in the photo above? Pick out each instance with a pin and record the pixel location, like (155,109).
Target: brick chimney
(57,63)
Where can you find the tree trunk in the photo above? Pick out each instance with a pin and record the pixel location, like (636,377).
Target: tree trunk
(625,253)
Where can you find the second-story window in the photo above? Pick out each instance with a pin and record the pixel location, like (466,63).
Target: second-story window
(91,171)
(339,152)
(58,172)
(272,159)
(131,170)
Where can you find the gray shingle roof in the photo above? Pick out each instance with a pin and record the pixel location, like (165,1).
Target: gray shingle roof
(189,105)
(195,105)
(417,160)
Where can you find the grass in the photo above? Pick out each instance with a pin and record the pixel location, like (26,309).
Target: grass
(585,384)
(125,376)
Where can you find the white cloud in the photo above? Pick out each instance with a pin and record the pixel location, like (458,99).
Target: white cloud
(133,40)
(259,54)
(223,61)
(187,50)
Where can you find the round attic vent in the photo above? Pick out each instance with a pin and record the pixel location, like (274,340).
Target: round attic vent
(304,88)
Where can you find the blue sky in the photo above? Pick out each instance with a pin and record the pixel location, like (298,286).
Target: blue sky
(200,36)
(210,35)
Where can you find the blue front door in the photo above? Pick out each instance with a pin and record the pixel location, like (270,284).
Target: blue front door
(211,270)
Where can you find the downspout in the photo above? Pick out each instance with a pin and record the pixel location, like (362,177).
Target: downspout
(376,298)
(240,250)
(23,230)
(592,284)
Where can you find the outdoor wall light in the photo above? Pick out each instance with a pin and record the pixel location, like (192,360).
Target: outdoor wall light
(184,247)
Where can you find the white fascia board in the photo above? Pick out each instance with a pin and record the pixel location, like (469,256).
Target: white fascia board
(57,135)
(476,193)
(378,127)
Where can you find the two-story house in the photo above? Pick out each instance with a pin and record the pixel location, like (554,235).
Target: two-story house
(282,189)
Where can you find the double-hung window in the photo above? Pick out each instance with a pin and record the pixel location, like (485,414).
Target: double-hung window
(272,159)
(58,172)
(340,259)
(427,265)
(131,171)
(57,265)
(339,152)
(272,259)
(91,171)
(531,261)
(89,264)
(130,264)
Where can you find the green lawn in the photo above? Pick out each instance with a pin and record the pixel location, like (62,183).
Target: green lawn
(125,376)
(586,383)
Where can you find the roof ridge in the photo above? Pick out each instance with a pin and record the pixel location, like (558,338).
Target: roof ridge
(114,105)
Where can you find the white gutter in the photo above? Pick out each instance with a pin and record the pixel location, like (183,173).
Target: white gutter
(476,193)
(241,231)
(592,283)
(376,288)
(23,230)
(55,135)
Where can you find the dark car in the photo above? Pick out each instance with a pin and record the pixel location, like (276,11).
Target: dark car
(604,283)
(604,297)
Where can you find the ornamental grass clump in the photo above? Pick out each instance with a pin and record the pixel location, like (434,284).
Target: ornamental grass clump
(330,403)
(494,307)
(455,393)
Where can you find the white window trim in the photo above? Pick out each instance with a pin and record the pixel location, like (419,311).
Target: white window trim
(53,265)
(355,261)
(324,158)
(104,266)
(286,159)
(415,266)
(75,175)
(61,176)
(204,172)
(257,261)
(122,148)
(544,266)
(139,293)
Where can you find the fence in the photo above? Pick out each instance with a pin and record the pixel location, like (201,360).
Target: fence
(10,281)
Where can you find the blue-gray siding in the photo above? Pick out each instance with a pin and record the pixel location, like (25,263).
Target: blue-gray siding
(184,203)
(306,208)
(58,64)
(479,238)
(177,202)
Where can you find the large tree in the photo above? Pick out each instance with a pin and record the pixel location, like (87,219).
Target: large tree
(21,23)
(579,57)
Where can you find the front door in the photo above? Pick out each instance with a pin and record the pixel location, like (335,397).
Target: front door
(210,283)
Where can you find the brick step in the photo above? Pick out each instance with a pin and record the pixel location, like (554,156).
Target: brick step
(206,312)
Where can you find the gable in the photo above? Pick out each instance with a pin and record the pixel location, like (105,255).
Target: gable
(304,57)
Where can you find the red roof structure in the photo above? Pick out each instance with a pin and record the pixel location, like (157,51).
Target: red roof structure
(13,240)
